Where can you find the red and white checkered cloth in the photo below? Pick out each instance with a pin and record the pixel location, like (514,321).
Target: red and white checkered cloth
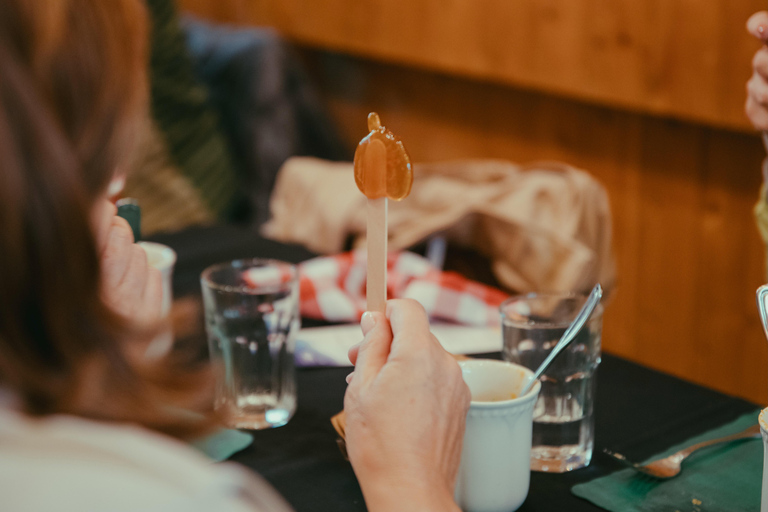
(333,289)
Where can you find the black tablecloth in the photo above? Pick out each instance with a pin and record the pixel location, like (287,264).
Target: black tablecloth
(638,411)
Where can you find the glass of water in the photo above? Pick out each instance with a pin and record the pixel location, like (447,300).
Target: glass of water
(563,420)
(252,316)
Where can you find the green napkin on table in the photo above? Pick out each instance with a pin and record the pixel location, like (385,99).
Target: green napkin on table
(223,443)
(721,478)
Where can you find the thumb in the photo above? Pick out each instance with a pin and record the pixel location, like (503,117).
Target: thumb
(367,323)
(757,25)
(374,350)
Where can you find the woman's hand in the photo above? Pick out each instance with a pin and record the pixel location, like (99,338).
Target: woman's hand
(406,408)
(756,106)
(129,286)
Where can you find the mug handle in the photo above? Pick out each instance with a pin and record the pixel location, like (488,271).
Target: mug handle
(762,307)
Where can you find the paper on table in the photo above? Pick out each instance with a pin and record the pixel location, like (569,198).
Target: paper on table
(328,346)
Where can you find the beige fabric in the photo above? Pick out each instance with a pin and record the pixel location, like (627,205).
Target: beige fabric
(168,200)
(70,464)
(547,227)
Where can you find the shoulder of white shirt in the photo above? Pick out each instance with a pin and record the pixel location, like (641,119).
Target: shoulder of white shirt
(72,463)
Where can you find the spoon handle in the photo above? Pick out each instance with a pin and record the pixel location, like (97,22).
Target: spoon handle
(570,333)
(753,431)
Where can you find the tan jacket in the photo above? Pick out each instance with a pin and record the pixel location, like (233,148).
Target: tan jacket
(546,227)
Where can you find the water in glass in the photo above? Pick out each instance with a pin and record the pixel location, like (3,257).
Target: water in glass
(251,341)
(563,422)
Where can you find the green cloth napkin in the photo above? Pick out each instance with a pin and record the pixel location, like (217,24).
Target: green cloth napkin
(220,445)
(721,478)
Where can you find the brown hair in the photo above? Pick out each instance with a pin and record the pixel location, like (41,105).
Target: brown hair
(72,91)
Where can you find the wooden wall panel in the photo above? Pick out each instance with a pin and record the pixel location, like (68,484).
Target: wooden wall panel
(668,250)
(688,253)
(730,265)
(680,58)
(226,11)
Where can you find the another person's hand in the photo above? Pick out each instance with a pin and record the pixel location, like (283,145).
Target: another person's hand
(130,287)
(406,408)
(756,106)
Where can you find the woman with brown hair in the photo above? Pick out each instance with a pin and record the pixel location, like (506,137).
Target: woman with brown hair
(86,423)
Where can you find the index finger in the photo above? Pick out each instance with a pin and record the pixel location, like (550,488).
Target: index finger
(103,213)
(115,257)
(407,316)
(410,328)
(760,62)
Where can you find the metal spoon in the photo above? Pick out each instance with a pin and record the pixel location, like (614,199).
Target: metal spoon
(569,335)
(670,466)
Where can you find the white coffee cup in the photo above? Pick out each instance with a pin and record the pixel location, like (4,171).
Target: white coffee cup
(162,258)
(495,468)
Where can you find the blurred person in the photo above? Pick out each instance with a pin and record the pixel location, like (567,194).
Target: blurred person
(756,107)
(228,106)
(88,424)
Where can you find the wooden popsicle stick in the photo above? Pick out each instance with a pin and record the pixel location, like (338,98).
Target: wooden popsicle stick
(376,284)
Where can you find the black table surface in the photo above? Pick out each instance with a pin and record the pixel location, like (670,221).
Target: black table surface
(638,411)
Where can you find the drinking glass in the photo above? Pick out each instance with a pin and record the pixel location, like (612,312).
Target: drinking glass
(252,316)
(563,420)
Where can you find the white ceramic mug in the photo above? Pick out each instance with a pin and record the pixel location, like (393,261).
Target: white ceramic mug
(162,258)
(495,468)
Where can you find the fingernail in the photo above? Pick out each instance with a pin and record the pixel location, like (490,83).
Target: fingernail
(349,377)
(762,32)
(367,322)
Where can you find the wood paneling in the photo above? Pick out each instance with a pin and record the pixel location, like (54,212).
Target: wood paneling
(689,256)
(225,11)
(679,58)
